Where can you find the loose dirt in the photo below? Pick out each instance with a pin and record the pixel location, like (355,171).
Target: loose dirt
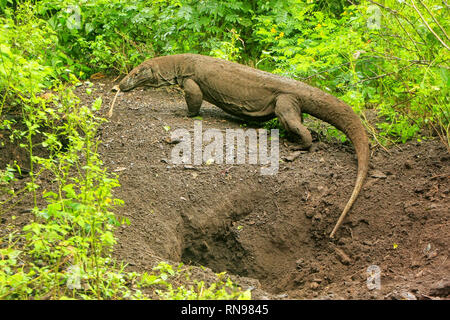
(271,232)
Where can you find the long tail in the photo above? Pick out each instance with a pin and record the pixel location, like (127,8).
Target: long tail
(362,151)
(340,115)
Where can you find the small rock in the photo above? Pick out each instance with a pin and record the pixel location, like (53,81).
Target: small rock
(306,196)
(409,164)
(441,288)
(299,264)
(291,157)
(189,167)
(169,140)
(419,274)
(314,285)
(309,214)
(314,268)
(317,217)
(378,174)
(432,254)
(406,295)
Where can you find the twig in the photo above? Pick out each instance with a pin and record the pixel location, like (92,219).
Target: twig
(332,69)
(421,62)
(428,26)
(110,112)
(395,12)
(374,133)
(440,175)
(384,7)
(442,132)
(434,19)
(386,74)
(407,33)
(276,204)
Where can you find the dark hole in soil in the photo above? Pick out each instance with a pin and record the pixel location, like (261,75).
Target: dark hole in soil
(220,251)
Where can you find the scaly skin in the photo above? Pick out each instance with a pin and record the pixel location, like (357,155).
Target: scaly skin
(254,94)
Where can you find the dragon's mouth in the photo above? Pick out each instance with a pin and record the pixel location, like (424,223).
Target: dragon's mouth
(126,86)
(123,89)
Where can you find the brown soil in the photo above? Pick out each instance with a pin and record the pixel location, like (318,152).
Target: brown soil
(275,228)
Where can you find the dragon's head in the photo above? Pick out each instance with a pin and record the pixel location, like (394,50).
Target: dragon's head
(141,75)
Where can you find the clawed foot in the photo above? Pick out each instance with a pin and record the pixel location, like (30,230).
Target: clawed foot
(192,114)
(295,144)
(299,146)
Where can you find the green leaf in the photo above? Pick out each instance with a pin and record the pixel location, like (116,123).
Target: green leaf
(70,193)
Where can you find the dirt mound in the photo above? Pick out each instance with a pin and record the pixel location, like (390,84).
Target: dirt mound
(275,228)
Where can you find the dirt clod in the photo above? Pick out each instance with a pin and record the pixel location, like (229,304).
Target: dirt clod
(441,288)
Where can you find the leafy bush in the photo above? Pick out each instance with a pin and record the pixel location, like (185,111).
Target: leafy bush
(165,275)
(383,57)
(23,68)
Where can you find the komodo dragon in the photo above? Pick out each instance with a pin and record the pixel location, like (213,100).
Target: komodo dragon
(250,93)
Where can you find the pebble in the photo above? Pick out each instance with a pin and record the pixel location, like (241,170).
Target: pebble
(299,264)
(169,140)
(403,295)
(317,218)
(291,157)
(378,174)
(314,285)
(409,164)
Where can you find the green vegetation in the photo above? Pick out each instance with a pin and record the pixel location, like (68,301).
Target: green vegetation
(389,60)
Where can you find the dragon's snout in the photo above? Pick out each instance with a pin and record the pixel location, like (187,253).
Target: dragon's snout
(125,84)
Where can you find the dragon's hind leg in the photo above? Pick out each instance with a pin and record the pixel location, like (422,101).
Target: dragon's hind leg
(288,112)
